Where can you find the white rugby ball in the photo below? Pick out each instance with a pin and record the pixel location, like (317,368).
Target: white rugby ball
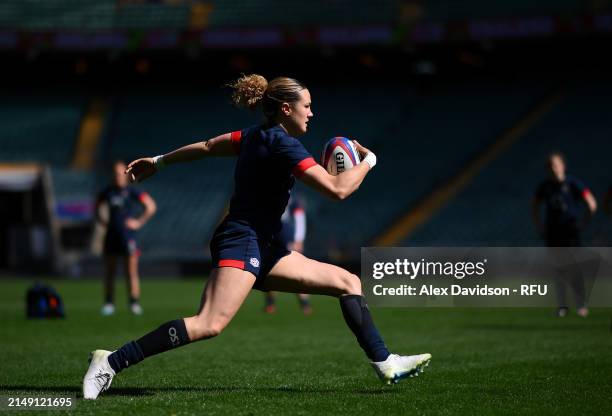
(339,154)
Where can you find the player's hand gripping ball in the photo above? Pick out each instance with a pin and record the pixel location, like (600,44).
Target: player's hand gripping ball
(339,154)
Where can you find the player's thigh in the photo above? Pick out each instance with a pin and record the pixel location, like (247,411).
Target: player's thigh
(225,291)
(297,273)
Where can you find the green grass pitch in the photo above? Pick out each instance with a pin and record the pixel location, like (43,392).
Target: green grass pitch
(521,361)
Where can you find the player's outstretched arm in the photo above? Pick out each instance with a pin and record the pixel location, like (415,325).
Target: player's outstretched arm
(343,185)
(141,169)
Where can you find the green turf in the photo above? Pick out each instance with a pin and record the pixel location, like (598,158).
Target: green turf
(521,361)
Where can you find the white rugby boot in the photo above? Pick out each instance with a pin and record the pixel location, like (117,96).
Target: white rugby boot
(108,309)
(99,376)
(136,309)
(398,367)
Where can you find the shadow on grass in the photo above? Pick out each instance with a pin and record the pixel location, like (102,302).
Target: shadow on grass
(21,389)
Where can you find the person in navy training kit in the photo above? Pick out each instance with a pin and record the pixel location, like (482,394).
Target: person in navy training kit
(122,222)
(564,197)
(245,253)
(292,235)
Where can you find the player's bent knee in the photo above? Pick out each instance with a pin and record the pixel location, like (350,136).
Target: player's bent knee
(354,285)
(351,284)
(206,330)
(213,331)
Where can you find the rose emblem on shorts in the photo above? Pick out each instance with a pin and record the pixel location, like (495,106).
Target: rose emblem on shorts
(254,262)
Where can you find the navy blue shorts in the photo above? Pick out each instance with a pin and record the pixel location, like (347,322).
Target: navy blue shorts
(120,244)
(237,245)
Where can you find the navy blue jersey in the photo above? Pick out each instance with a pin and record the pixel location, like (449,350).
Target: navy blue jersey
(123,203)
(293,222)
(562,200)
(268,161)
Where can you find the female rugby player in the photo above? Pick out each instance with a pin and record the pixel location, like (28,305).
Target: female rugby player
(120,240)
(244,252)
(563,196)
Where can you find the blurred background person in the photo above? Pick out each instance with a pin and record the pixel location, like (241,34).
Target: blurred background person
(292,235)
(124,210)
(564,197)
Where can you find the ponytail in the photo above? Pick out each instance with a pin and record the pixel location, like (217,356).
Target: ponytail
(248,91)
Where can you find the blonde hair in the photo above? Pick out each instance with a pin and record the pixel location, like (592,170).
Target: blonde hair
(252,90)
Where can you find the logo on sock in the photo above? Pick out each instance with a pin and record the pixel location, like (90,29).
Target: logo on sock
(174,339)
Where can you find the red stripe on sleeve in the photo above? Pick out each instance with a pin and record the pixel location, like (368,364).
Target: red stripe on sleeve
(304,165)
(232,263)
(142,197)
(585,192)
(236,137)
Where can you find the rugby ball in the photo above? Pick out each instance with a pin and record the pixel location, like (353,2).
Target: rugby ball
(339,154)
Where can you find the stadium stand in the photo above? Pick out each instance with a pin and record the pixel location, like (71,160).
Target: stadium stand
(39,127)
(577,127)
(74,185)
(474,9)
(268,13)
(90,15)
